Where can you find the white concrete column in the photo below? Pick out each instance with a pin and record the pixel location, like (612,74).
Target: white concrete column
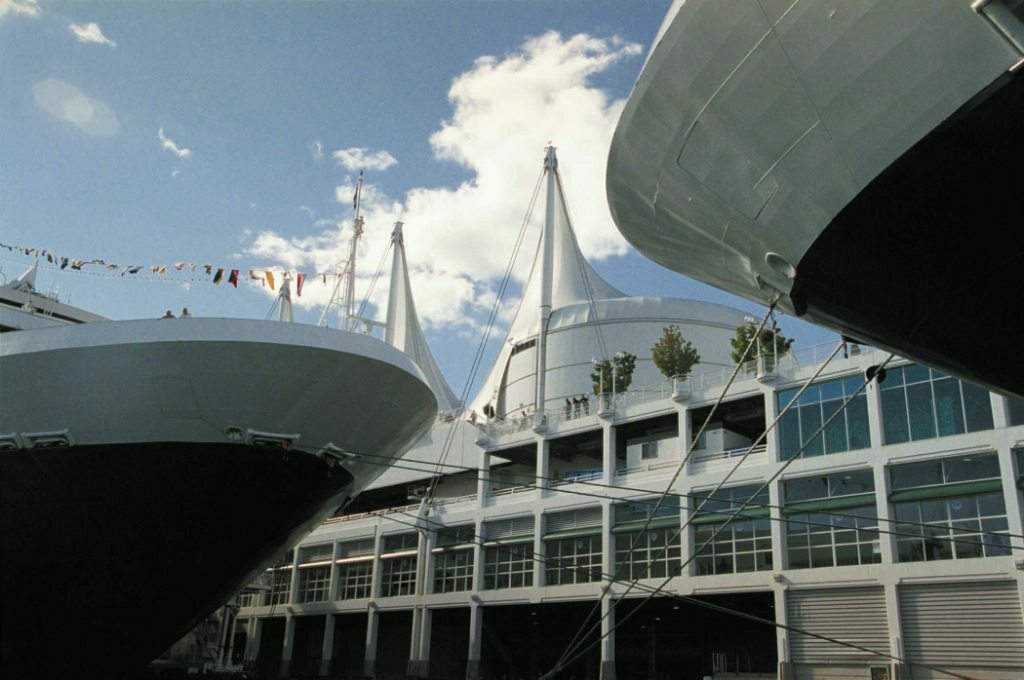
(483,482)
(608,639)
(786,670)
(332,585)
(293,585)
(892,615)
(771,412)
(686,542)
(476,639)
(1011,495)
(539,565)
(478,556)
(288,646)
(252,641)
(685,429)
(607,539)
(875,423)
(412,666)
(778,524)
(886,541)
(608,448)
(375,574)
(327,650)
(1000,414)
(543,467)
(370,653)
(426,623)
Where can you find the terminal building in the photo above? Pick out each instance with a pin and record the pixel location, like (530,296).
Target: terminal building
(784,517)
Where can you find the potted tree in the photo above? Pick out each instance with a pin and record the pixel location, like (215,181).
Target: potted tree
(771,344)
(675,356)
(612,377)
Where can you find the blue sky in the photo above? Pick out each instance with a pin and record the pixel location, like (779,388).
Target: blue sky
(231,133)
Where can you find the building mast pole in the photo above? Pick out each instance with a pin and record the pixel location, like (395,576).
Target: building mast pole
(547,264)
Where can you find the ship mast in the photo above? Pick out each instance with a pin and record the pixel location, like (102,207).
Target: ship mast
(345,272)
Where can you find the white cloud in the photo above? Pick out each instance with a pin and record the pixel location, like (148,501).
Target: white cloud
(360,158)
(67,103)
(169,144)
(318,150)
(28,8)
(91,33)
(458,240)
(175,173)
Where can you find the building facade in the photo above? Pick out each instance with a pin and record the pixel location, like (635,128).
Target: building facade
(893,535)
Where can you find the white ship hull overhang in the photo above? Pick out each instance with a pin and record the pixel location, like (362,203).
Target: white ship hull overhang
(209,444)
(862,160)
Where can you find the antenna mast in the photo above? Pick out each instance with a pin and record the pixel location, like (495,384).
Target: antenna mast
(345,271)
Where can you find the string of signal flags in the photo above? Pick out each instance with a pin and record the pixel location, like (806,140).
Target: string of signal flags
(215,274)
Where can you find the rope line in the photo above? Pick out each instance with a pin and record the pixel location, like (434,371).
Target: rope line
(672,481)
(507,548)
(747,502)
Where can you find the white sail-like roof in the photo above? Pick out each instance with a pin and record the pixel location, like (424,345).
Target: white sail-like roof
(403,326)
(572,282)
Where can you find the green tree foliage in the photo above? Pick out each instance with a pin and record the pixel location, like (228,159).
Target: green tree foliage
(673,355)
(624,363)
(770,341)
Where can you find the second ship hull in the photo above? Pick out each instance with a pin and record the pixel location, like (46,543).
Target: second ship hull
(862,160)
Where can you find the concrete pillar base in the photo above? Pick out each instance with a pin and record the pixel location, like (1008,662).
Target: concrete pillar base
(286,667)
(369,668)
(325,666)
(787,671)
(473,669)
(423,669)
(607,670)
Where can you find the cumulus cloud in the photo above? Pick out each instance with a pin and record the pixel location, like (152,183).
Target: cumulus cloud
(169,144)
(67,103)
(360,158)
(28,8)
(458,239)
(91,33)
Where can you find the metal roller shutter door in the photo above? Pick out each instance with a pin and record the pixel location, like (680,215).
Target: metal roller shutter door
(852,615)
(974,623)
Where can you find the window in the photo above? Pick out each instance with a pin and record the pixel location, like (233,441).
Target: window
(250,599)
(508,566)
(920,403)
(832,520)
(653,552)
(848,432)
(398,576)
(453,559)
(354,580)
(281,586)
(313,584)
(945,509)
(742,544)
(398,564)
(1014,411)
(508,553)
(573,560)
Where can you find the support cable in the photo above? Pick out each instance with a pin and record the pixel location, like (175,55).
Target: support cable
(675,476)
(507,548)
(742,507)
(485,336)
(644,498)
